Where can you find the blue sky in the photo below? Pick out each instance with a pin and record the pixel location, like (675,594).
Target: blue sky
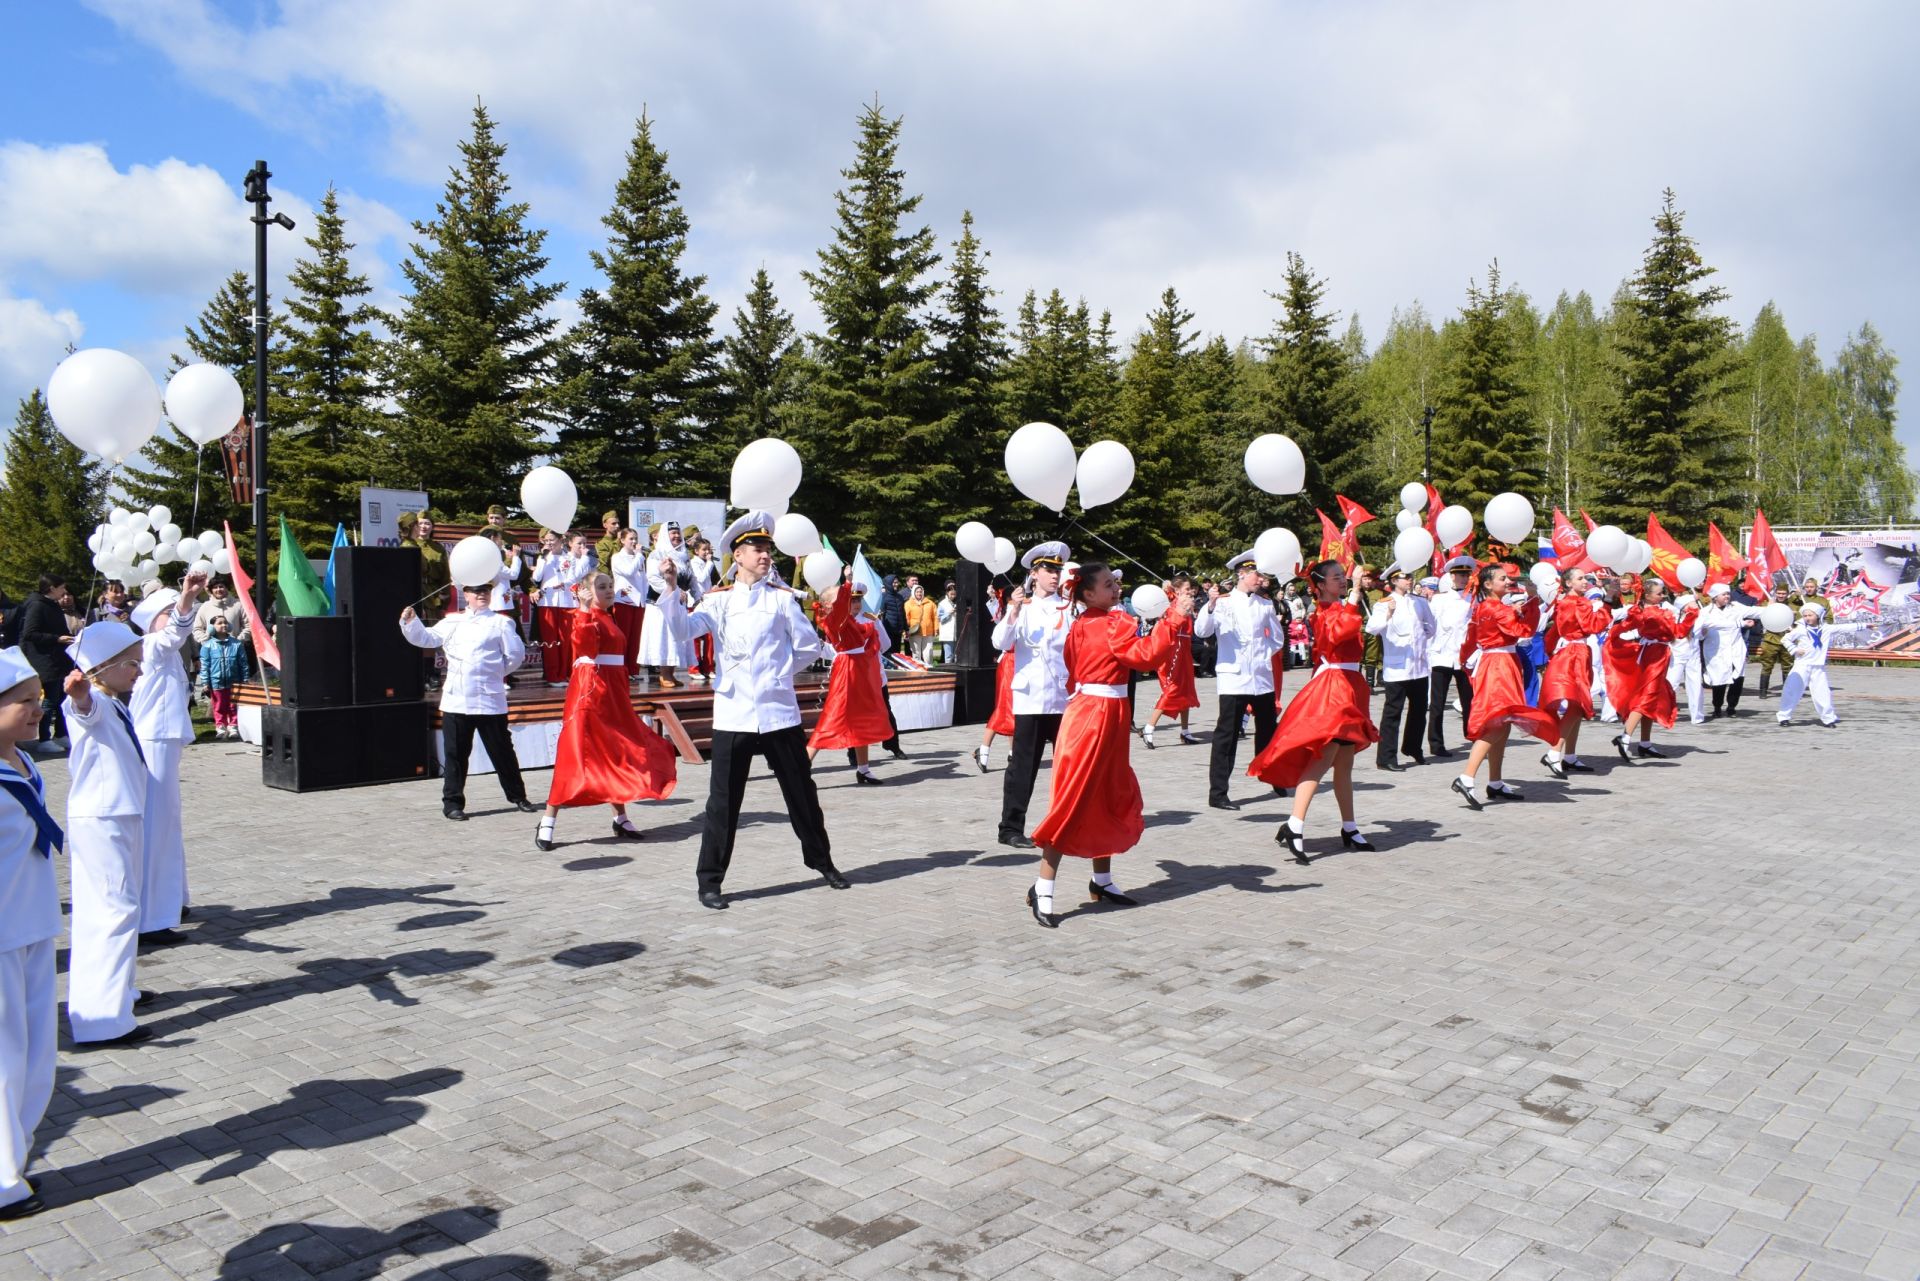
(1107,149)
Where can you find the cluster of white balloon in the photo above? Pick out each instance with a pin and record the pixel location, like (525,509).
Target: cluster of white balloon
(130,547)
(766,472)
(1508,518)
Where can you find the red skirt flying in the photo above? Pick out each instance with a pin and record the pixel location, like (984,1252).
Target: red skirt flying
(1653,695)
(1001,722)
(855,711)
(1096,805)
(1620,660)
(1500,698)
(1330,708)
(606,756)
(1177,692)
(1569,678)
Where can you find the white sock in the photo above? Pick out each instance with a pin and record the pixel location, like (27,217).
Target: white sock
(1298,826)
(1466,781)
(1553,754)
(1348,825)
(1043,890)
(1103,878)
(547,826)
(867,770)
(1571,759)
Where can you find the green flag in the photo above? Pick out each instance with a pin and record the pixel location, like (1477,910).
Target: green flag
(301,593)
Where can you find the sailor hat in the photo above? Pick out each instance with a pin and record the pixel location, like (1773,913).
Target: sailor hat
(755,524)
(99,642)
(152,607)
(1054,555)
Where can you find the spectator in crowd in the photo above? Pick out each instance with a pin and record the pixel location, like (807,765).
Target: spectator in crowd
(1206,649)
(41,624)
(923,623)
(610,538)
(1372,592)
(220,603)
(947,615)
(893,612)
(113,606)
(223,668)
(497,518)
(416,530)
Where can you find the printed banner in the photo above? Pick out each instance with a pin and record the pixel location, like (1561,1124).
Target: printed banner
(1869,575)
(380,513)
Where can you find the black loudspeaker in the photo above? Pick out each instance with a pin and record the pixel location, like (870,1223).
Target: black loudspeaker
(371,586)
(316,661)
(973,631)
(315,749)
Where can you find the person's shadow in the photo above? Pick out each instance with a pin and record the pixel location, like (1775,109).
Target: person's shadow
(315,1114)
(1179,880)
(232,927)
(71,1103)
(377,974)
(358,1254)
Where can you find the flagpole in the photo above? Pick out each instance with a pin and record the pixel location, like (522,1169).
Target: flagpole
(256,195)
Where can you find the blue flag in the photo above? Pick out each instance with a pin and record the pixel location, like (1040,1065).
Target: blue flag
(339,541)
(864,574)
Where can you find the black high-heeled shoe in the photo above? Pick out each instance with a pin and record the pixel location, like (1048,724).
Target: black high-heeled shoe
(1295,844)
(626,831)
(1466,794)
(1354,840)
(1554,767)
(1621,746)
(543,843)
(1098,893)
(1047,919)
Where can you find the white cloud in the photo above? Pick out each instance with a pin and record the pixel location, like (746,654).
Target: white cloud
(33,338)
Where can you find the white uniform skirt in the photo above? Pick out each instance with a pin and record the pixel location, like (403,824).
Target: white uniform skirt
(163,871)
(104,860)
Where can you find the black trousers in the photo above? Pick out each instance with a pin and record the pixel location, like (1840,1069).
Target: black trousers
(786,753)
(1226,737)
(460,728)
(1409,696)
(1728,696)
(1030,734)
(1437,681)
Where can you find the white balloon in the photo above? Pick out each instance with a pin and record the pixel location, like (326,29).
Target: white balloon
(1412,548)
(118,517)
(166,553)
(144,542)
(1776,617)
(145,571)
(765,474)
(169,532)
(1692,572)
(203,569)
(210,539)
(1645,561)
(473,562)
(549,496)
(95,541)
(205,402)
(1004,554)
(1607,545)
(1277,552)
(123,548)
(974,541)
(223,561)
(104,401)
(821,570)
(1105,472)
(1544,576)
(1150,601)
(1040,462)
(1413,497)
(1276,464)
(188,549)
(1404,519)
(795,535)
(160,516)
(1454,525)
(101,561)
(1508,518)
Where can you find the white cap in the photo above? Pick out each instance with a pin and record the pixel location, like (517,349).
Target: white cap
(1720,589)
(1242,561)
(152,607)
(99,642)
(1810,608)
(14,668)
(1053,554)
(755,524)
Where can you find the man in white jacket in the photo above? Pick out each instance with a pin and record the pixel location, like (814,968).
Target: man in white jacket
(1249,633)
(1405,625)
(1451,608)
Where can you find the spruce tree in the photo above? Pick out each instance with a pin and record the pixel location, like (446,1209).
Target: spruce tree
(1483,429)
(191,480)
(323,447)
(1871,484)
(1669,447)
(51,497)
(879,459)
(967,370)
(474,345)
(762,377)
(643,364)
(1312,396)
(1157,420)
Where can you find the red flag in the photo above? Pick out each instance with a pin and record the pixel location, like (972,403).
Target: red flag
(263,646)
(1355,514)
(1590,525)
(1667,553)
(1724,564)
(1333,542)
(1434,504)
(1568,546)
(1764,558)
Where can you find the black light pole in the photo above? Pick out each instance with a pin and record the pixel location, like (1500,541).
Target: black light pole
(257,197)
(1426,425)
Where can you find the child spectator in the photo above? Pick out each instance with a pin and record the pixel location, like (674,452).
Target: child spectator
(223,669)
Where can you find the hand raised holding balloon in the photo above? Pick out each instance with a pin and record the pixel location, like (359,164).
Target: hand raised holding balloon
(80,690)
(407,616)
(192,588)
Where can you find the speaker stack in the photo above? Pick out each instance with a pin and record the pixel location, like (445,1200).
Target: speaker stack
(352,710)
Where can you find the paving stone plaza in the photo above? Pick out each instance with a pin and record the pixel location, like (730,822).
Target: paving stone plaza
(1658,1022)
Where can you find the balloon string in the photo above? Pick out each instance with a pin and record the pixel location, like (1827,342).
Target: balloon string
(1157,575)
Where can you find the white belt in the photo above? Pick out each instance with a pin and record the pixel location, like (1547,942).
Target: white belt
(1102,691)
(604,660)
(1500,649)
(1338,667)
(845,652)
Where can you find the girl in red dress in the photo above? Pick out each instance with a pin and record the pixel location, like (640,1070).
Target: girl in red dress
(1001,722)
(1328,720)
(1177,693)
(605,755)
(1499,694)
(1657,626)
(1095,811)
(855,712)
(1566,687)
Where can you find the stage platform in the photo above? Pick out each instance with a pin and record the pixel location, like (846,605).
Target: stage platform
(684,715)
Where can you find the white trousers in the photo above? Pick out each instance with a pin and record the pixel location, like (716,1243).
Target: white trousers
(29,1033)
(1811,681)
(104,858)
(163,870)
(1684,675)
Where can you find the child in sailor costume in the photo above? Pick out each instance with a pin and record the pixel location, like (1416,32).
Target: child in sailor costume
(1034,631)
(29,929)
(160,717)
(1808,644)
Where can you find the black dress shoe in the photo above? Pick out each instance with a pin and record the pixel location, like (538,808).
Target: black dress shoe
(1466,794)
(865,779)
(1295,844)
(1354,840)
(1392,767)
(626,832)
(831,875)
(26,1206)
(162,938)
(1016,840)
(143,1000)
(1504,793)
(713,899)
(527,807)
(1440,752)
(1621,746)
(1419,760)
(542,843)
(1575,767)
(898,752)
(1555,768)
(1098,893)
(1047,919)
(1648,749)
(1224,805)
(134,1037)
(458,816)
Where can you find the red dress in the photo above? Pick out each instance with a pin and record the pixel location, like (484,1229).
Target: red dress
(1499,693)
(1096,805)
(605,755)
(1177,693)
(1279,676)
(1330,708)
(1620,659)
(1001,722)
(1653,692)
(855,712)
(1569,674)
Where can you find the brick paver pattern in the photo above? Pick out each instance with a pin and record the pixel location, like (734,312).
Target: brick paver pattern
(1658,1022)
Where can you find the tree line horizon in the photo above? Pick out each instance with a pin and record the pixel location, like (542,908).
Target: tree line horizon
(899,405)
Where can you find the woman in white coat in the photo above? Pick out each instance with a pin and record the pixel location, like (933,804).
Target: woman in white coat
(1723,646)
(663,632)
(160,717)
